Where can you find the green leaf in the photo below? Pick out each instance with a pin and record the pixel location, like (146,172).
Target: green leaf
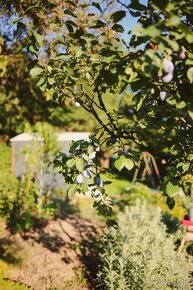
(33,7)
(170,202)
(69,27)
(180,164)
(118,28)
(71,3)
(118,15)
(97,5)
(190,74)
(129,164)
(98,24)
(185,167)
(32,64)
(80,164)
(173,44)
(51,81)
(90,149)
(172,190)
(137,6)
(69,12)
(189,61)
(96,203)
(70,22)
(41,81)
(78,51)
(152,31)
(89,180)
(32,49)
(84,187)
(123,161)
(138,29)
(72,190)
(15,21)
(189,37)
(186,200)
(71,162)
(119,163)
(36,71)
(54,25)
(161,3)
(190,156)
(95,141)
(51,6)
(39,38)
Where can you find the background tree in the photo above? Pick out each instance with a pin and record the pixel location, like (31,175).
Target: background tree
(21,101)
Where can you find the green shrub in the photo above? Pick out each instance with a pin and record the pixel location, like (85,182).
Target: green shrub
(9,189)
(5,157)
(12,285)
(137,253)
(140,191)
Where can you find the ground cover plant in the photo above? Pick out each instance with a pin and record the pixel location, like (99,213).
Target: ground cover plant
(137,253)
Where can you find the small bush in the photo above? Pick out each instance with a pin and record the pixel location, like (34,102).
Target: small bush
(137,253)
(12,285)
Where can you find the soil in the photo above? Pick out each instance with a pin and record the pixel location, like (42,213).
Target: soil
(59,255)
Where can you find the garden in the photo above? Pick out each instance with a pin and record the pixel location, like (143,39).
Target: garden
(96,133)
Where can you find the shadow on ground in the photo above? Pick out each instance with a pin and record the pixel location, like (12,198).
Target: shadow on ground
(58,254)
(72,239)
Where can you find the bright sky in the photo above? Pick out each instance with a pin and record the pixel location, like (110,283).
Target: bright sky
(129,22)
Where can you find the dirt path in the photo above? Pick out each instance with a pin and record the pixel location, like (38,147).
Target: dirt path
(58,256)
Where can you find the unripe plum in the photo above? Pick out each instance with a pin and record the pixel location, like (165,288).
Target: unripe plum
(79,178)
(99,182)
(97,193)
(97,148)
(86,173)
(167,78)
(168,66)
(92,155)
(182,55)
(114,140)
(163,94)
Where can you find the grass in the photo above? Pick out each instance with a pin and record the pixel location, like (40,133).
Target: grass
(10,259)
(6,284)
(116,187)
(5,158)
(85,209)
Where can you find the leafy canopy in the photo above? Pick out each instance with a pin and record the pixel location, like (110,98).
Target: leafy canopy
(90,62)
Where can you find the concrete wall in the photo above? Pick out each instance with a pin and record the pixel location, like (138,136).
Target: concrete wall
(50,178)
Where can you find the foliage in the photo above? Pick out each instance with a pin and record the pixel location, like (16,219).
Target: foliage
(12,285)
(9,185)
(25,202)
(173,225)
(5,157)
(90,63)
(9,189)
(22,101)
(137,253)
(82,170)
(155,197)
